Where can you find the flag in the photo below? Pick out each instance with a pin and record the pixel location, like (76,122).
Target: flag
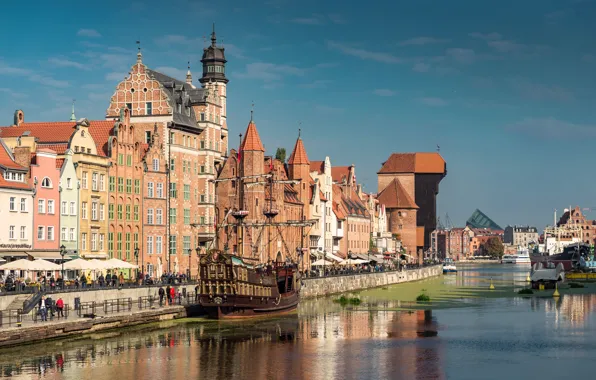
(271,164)
(239,154)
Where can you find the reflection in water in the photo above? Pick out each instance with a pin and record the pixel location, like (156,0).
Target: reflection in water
(510,337)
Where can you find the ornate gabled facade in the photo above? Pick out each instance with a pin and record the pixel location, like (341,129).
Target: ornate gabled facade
(69,204)
(191,124)
(331,229)
(357,220)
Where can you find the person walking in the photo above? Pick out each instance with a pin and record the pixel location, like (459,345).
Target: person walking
(173,294)
(43,311)
(161,293)
(60,307)
(168,294)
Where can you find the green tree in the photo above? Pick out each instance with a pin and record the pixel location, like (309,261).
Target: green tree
(494,247)
(280,154)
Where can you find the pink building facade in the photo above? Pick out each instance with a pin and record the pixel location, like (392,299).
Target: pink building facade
(45,177)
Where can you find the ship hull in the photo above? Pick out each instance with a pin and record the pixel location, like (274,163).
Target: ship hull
(555,259)
(241,306)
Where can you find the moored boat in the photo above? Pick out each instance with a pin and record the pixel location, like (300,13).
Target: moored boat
(570,257)
(449,266)
(521,257)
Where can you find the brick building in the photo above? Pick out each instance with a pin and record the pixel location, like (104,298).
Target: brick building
(579,225)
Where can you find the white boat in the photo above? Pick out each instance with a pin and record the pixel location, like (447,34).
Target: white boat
(449,266)
(521,257)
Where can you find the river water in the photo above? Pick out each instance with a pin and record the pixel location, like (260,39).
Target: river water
(466,332)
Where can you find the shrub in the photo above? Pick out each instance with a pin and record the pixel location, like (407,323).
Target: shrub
(423,297)
(354,301)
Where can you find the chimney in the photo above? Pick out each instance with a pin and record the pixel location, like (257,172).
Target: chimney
(22,156)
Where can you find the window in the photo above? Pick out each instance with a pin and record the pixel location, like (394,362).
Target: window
(148,108)
(186,192)
(202,220)
(202,169)
(202,116)
(120,184)
(41,206)
(50,206)
(155,164)
(137,186)
(127,212)
(12,204)
(120,212)
(102,215)
(84,210)
(172,164)
(172,215)
(129,185)
(111,211)
(63,234)
(84,180)
(119,244)
(150,189)
(150,245)
(50,233)
(120,159)
(202,198)
(72,209)
(150,216)
(129,106)
(94,207)
(23,232)
(11,232)
(101,241)
(187,216)
(172,244)
(128,160)
(158,216)
(202,143)
(84,241)
(71,234)
(186,244)
(94,181)
(136,212)
(68,183)
(23,204)
(179,107)
(94,241)
(173,190)
(172,138)
(158,245)
(112,184)
(64,208)
(102,182)
(40,232)
(187,111)
(46,182)
(111,244)
(127,246)
(159,190)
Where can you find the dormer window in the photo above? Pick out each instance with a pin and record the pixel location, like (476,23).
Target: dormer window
(82,133)
(187,111)
(46,182)
(202,116)
(179,107)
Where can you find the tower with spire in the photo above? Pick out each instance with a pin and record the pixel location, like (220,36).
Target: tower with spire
(299,169)
(214,73)
(72,114)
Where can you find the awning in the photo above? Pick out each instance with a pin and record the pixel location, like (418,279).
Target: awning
(13,254)
(95,256)
(331,256)
(46,255)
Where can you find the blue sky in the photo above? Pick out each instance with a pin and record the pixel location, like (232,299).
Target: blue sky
(505,88)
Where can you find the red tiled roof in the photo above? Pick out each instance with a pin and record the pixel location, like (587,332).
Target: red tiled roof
(251,140)
(298,156)
(144,150)
(317,166)
(101,130)
(58,148)
(395,196)
(323,198)
(339,173)
(290,194)
(46,150)
(48,132)
(59,163)
(349,204)
(6,159)
(419,162)
(14,185)
(337,210)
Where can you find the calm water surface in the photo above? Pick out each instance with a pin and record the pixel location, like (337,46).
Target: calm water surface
(469,333)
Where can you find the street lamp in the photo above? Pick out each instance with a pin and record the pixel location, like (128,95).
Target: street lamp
(62,253)
(189,255)
(137,259)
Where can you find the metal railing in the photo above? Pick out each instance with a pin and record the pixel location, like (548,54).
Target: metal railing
(52,313)
(117,305)
(10,317)
(343,273)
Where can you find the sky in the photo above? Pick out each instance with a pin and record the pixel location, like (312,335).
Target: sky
(505,89)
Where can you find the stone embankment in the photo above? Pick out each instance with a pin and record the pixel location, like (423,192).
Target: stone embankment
(318,287)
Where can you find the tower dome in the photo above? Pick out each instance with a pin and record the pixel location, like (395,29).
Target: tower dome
(214,62)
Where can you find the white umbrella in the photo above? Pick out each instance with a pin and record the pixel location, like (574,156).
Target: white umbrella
(120,264)
(80,264)
(35,265)
(321,262)
(353,262)
(21,264)
(100,264)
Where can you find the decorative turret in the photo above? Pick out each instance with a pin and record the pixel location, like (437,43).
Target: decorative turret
(72,114)
(214,62)
(299,169)
(189,75)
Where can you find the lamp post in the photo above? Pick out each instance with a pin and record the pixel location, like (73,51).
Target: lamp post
(62,253)
(137,259)
(189,255)
(198,249)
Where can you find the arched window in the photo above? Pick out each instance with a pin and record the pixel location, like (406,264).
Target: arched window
(46,182)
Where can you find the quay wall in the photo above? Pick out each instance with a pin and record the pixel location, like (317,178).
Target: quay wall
(101,294)
(41,331)
(324,286)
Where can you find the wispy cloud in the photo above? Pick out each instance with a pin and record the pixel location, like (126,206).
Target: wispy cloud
(423,41)
(63,62)
(269,72)
(12,93)
(384,92)
(48,81)
(314,19)
(115,76)
(500,45)
(6,69)
(559,16)
(539,91)
(319,83)
(194,42)
(421,67)
(174,72)
(336,18)
(326,65)
(363,53)
(487,36)
(462,55)
(433,102)
(329,109)
(553,128)
(88,33)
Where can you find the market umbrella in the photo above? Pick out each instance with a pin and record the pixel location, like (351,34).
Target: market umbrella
(353,262)
(80,264)
(120,264)
(321,262)
(21,264)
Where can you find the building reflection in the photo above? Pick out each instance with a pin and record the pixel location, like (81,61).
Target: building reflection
(571,309)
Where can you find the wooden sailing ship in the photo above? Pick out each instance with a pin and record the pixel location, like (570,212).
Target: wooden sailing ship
(235,286)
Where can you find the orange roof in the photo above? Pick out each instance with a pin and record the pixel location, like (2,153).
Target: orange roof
(298,156)
(14,185)
(58,148)
(420,236)
(101,130)
(317,166)
(46,150)
(45,132)
(395,196)
(420,162)
(339,173)
(6,158)
(337,210)
(251,140)
(322,197)
(59,163)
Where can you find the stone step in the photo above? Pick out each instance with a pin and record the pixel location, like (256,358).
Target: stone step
(17,303)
